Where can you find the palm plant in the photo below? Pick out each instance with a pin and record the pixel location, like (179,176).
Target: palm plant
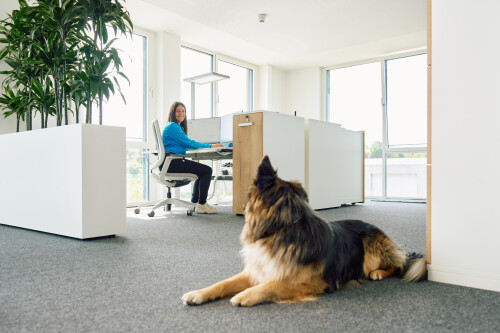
(15,103)
(18,55)
(60,56)
(98,52)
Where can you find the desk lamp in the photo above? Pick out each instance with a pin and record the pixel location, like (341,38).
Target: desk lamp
(202,79)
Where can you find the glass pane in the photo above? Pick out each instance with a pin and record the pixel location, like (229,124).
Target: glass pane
(234,93)
(195,63)
(407,101)
(354,99)
(407,175)
(137,175)
(132,113)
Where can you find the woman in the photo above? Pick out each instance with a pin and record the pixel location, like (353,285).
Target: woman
(176,141)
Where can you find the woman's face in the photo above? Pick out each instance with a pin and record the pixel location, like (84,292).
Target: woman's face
(180,114)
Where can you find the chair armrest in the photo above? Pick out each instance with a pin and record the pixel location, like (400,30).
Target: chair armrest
(168,159)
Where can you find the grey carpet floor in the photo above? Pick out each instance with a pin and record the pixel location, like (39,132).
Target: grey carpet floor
(133,282)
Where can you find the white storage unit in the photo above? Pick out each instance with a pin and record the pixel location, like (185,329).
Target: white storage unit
(334,165)
(68,180)
(260,133)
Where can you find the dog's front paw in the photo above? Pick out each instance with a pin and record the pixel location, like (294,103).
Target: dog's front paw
(243,299)
(192,298)
(377,275)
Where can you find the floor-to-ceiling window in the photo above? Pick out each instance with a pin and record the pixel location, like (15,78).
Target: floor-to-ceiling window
(406,117)
(236,93)
(387,99)
(354,99)
(133,112)
(219,98)
(194,63)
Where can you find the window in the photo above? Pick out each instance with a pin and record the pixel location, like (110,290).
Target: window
(406,101)
(348,108)
(235,93)
(388,100)
(133,114)
(194,63)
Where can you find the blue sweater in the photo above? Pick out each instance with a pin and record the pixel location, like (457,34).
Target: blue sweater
(177,142)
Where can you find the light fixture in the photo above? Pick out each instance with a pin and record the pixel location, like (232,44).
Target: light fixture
(206,78)
(262,18)
(202,79)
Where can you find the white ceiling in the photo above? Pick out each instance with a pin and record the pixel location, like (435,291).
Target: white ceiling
(296,33)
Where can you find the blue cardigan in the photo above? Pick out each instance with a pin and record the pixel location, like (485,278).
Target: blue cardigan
(177,142)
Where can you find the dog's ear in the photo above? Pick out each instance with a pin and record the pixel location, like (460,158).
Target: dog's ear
(266,175)
(266,169)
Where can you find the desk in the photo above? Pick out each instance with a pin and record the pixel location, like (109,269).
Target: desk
(214,154)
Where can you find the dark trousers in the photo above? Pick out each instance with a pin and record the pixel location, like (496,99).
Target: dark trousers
(202,184)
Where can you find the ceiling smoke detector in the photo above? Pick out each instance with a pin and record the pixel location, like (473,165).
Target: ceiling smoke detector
(262,18)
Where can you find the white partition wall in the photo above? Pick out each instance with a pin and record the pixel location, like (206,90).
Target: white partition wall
(465,219)
(67,180)
(334,165)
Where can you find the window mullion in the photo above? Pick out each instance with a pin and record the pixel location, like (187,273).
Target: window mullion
(384,127)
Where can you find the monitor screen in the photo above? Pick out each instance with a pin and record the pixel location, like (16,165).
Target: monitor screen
(226,129)
(205,130)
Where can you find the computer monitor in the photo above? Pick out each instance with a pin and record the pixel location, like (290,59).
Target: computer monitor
(226,129)
(205,130)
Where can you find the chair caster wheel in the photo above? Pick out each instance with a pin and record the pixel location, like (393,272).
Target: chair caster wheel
(151,213)
(189,212)
(137,210)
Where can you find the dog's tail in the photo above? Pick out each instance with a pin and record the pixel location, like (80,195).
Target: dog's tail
(415,268)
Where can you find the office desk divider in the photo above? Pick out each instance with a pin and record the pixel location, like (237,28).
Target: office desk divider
(325,158)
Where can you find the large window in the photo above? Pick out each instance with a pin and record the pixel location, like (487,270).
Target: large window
(194,63)
(388,100)
(407,101)
(132,114)
(354,96)
(221,97)
(235,94)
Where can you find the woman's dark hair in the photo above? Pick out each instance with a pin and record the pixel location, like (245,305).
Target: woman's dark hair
(171,116)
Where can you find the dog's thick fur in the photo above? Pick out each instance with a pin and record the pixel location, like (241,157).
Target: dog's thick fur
(291,254)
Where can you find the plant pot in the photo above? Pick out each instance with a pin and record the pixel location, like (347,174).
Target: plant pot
(68,180)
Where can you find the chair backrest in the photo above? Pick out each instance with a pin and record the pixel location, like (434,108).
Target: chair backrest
(160,148)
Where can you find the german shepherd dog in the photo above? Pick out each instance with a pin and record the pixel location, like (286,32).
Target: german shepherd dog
(291,254)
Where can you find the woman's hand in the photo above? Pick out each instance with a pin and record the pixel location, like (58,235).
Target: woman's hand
(216,145)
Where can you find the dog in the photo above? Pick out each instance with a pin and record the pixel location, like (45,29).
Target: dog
(291,254)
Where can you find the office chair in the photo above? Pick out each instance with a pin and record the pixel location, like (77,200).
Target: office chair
(170,180)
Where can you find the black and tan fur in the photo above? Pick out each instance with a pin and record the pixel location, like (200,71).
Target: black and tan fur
(291,254)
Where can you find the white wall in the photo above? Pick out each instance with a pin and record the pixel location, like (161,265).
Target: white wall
(304,93)
(289,91)
(168,77)
(262,88)
(271,89)
(465,220)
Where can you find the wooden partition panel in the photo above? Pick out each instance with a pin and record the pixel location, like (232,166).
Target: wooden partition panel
(247,154)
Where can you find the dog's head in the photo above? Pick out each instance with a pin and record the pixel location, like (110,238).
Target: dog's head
(273,204)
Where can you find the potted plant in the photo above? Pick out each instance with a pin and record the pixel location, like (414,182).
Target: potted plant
(62,62)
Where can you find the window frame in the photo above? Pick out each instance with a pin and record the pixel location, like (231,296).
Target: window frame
(149,105)
(386,150)
(215,58)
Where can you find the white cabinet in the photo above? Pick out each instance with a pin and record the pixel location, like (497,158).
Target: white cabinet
(334,165)
(260,133)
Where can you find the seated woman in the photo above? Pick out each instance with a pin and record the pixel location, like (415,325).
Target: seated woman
(176,141)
